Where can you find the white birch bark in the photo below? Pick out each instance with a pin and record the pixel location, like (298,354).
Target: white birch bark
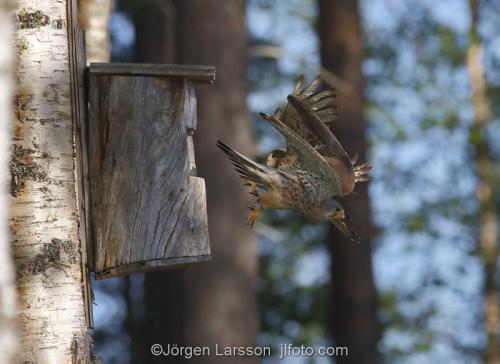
(44,213)
(93,16)
(8,310)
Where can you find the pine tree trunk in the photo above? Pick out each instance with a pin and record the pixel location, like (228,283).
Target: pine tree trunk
(488,228)
(155,32)
(210,303)
(353,314)
(8,298)
(220,294)
(93,16)
(44,214)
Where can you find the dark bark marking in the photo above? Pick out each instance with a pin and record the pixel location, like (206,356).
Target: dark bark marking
(58,254)
(30,19)
(22,167)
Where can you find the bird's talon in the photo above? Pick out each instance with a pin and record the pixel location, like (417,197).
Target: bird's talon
(252,216)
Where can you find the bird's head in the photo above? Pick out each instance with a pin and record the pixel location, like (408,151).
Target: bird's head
(335,213)
(332,209)
(273,158)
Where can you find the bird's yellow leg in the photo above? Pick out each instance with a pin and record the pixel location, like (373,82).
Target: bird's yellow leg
(253,188)
(255,211)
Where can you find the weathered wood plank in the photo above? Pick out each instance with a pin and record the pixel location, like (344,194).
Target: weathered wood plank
(78,102)
(187,242)
(147,210)
(201,74)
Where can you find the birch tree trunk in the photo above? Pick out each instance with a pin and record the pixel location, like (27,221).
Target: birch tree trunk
(8,309)
(488,228)
(44,213)
(93,16)
(354,298)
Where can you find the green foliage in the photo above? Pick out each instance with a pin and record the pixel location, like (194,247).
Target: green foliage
(424,189)
(451,48)
(416,223)
(291,310)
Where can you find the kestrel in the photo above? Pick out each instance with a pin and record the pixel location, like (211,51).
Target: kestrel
(312,170)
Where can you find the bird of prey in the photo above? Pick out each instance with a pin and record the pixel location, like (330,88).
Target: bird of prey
(312,169)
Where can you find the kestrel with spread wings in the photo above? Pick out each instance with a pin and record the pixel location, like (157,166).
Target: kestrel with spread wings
(312,169)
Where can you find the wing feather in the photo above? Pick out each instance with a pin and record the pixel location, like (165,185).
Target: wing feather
(310,114)
(312,87)
(321,96)
(322,103)
(330,147)
(250,170)
(298,85)
(308,157)
(328,118)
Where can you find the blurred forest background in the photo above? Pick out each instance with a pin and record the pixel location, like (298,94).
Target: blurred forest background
(418,88)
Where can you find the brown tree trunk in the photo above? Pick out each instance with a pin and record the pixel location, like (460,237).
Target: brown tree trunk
(488,228)
(221,295)
(155,32)
(211,303)
(354,298)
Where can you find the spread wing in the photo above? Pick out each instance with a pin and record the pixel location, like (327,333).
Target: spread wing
(326,143)
(308,158)
(322,103)
(311,114)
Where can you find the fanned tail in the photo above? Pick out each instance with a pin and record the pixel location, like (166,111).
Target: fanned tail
(362,172)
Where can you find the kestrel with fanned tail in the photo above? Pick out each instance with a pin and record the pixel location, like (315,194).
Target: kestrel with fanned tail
(312,169)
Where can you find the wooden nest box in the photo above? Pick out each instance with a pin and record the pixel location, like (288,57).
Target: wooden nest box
(147,208)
